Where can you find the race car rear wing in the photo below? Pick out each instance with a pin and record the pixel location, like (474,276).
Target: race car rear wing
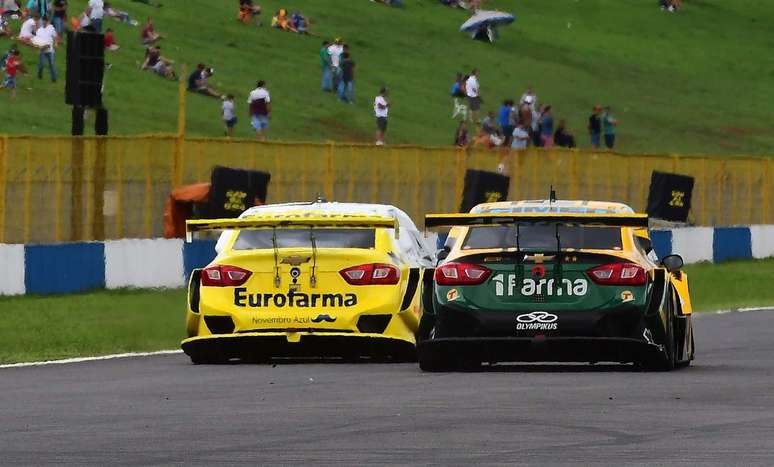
(476,219)
(290,221)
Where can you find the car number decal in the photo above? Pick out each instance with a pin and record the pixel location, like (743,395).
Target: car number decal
(529,287)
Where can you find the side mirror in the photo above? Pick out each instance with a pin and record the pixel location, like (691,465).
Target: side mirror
(443,253)
(672,263)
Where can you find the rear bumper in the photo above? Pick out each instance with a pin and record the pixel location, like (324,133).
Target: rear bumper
(261,345)
(542,349)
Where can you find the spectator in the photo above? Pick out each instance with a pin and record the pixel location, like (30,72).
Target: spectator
(28,28)
(110,42)
(148,34)
(474,98)
(489,124)
(300,23)
(229,116)
(458,92)
(529,98)
(160,65)
(13,66)
(347,83)
(281,21)
(5,28)
(119,15)
(248,11)
(562,137)
(38,6)
(10,9)
(520,137)
(609,123)
(670,5)
(461,135)
(325,65)
(197,81)
(547,127)
(595,126)
(381,111)
(60,16)
(505,121)
(335,50)
(96,10)
(45,39)
(260,109)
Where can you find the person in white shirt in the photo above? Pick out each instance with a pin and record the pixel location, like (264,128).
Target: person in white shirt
(335,50)
(520,137)
(96,10)
(28,28)
(381,110)
(229,116)
(529,98)
(260,109)
(474,98)
(45,39)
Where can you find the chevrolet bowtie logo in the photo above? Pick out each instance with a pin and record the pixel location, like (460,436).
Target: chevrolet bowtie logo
(538,258)
(295,260)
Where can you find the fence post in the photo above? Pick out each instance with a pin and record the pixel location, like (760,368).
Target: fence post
(459,185)
(3,181)
(177,165)
(27,192)
(766,190)
(330,172)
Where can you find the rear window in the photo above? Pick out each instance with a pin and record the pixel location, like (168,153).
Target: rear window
(543,237)
(301,238)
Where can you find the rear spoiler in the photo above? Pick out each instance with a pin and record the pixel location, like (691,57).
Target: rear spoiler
(473,219)
(280,221)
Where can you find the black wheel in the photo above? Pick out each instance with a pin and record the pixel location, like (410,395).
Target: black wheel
(668,360)
(426,324)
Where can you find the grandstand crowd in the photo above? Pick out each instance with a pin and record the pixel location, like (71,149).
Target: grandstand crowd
(515,124)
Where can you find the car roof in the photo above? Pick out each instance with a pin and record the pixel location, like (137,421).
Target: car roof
(325,207)
(560,205)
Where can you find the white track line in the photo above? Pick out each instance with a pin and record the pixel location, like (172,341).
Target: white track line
(91,359)
(172,352)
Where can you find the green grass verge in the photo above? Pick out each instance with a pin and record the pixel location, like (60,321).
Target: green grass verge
(97,323)
(699,81)
(734,284)
(105,322)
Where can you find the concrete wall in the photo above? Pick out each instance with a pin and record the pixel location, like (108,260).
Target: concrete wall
(160,263)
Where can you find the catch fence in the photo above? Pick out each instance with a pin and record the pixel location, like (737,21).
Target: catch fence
(56,189)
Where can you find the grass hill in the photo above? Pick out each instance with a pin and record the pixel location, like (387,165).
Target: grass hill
(699,81)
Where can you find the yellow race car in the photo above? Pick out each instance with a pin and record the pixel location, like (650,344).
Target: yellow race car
(309,280)
(550,280)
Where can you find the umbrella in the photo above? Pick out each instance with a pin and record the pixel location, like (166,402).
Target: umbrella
(486,18)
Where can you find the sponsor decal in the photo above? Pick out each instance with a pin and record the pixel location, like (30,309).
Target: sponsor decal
(326,318)
(452,295)
(283,320)
(292,299)
(537,321)
(505,286)
(627,296)
(538,258)
(295,260)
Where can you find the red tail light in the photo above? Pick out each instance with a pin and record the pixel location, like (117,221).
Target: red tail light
(461,274)
(224,276)
(371,274)
(618,274)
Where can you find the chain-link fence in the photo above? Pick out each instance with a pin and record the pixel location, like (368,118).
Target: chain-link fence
(93,188)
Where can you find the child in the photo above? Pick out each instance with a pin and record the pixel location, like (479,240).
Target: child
(110,42)
(13,65)
(229,116)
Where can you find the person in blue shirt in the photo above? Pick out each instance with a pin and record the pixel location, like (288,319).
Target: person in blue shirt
(505,120)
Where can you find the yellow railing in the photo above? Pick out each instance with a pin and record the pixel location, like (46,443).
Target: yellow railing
(90,188)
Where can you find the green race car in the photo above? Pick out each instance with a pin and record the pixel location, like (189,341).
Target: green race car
(558,281)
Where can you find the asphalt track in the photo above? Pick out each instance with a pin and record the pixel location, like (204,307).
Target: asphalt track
(163,410)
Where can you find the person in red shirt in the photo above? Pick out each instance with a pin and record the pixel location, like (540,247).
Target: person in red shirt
(110,42)
(13,65)
(149,35)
